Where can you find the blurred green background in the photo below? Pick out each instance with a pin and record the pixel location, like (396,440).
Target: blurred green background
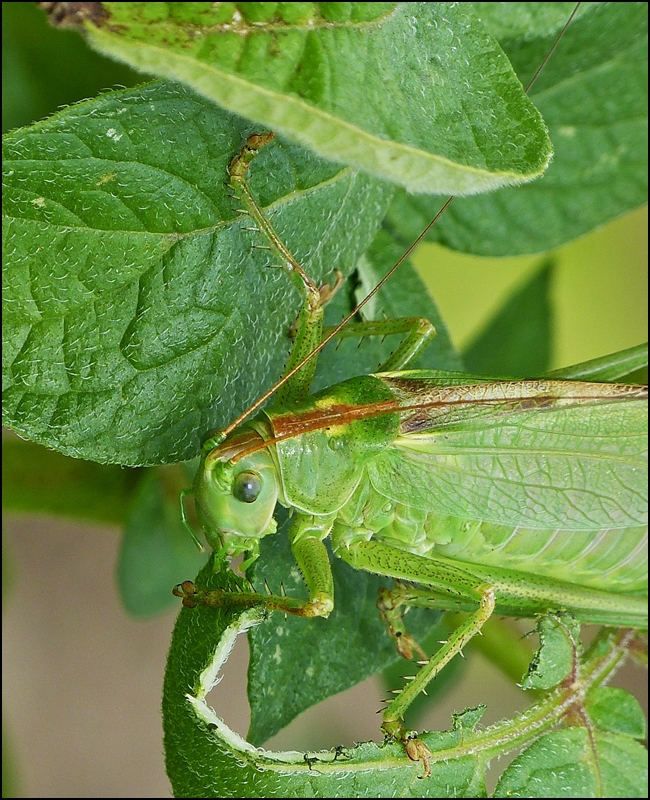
(82,681)
(599,289)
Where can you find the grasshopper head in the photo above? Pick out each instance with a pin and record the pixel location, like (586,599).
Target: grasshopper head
(235,495)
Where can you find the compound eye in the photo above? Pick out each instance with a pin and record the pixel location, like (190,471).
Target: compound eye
(247,487)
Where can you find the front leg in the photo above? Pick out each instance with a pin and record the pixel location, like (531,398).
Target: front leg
(306,535)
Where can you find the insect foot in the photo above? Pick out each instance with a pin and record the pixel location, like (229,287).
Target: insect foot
(321,605)
(187,591)
(392,614)
(417,750)
(327,292)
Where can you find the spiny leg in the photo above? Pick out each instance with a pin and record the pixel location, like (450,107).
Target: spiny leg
(192,596)
(448,584)
(309,325)
(394,713)
(311,556)
(419,333)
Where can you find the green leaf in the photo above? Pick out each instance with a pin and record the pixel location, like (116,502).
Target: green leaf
(205,758)
(313,659)
(559,650)
(615,710)
(157,551)
(415,93)
(571,763)
(135,306)
(517,341)
(38,480)
(593,96)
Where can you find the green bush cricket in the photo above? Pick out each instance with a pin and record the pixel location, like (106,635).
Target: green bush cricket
(516,494)
(510,496)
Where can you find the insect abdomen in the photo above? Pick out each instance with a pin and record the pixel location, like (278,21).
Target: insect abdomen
(614,559)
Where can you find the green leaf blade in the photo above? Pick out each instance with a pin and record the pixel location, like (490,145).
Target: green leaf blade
(326,82)
(558,654)
(36,480)
(565,764)
(593,96)
(205,758)
(127,313)
(156,551)
(617,711)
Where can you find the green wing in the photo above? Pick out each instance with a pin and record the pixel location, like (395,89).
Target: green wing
(559,455)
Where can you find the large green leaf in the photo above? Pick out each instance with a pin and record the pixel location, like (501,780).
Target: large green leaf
(135,307)
(593,96)
(205,758)
(416,93)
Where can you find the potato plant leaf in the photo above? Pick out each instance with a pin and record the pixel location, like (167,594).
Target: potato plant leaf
(135,305)
(325,75)
(593,96)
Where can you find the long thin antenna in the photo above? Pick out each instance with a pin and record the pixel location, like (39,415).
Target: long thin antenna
(552,50)
(261,400)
